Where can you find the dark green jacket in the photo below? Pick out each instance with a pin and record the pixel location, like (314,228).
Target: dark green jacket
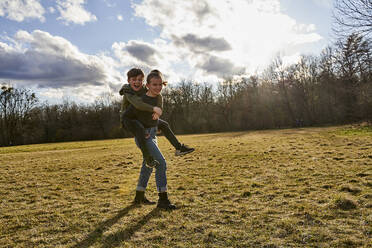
(135,98)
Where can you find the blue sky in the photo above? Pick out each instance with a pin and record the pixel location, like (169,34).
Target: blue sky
(81,49)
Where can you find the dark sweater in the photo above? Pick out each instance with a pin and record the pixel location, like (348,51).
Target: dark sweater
(146,117)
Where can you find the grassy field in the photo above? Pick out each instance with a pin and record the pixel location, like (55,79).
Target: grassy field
(309,187)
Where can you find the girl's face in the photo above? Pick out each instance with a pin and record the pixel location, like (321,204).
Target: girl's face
(155,86)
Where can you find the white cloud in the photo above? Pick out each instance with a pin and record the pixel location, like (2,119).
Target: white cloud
(305,38)
(120,17)
(72,11)
(288,60)
(160,55)
(223,37)
(49,61)
(19,10)
(50,93)
(303,28)
(220,67)
(137,53)
(51,10)
(78,94)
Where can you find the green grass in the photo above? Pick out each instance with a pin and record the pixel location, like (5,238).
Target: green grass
(356,130)
(309,187)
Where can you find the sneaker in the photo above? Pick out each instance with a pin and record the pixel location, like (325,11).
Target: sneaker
(184,150)
(152,163)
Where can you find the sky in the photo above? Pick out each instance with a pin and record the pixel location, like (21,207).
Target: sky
(81,49)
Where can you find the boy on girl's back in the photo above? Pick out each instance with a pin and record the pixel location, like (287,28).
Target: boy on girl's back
(154,84)
(132,96)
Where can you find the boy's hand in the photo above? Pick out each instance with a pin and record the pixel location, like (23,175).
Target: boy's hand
(126,89)
(155,116)
(158,111)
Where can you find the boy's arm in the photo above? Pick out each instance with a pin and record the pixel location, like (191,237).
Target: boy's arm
(131,97)
(137,102)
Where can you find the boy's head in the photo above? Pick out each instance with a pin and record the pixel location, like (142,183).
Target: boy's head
(135,78)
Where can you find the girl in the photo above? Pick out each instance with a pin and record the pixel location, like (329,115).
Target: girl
(154,83)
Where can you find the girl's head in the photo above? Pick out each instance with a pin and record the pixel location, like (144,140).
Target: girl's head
(155,82)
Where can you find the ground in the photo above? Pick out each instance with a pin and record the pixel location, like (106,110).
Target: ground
(308,187)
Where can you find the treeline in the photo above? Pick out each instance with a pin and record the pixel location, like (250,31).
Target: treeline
(42,123)
(332,88)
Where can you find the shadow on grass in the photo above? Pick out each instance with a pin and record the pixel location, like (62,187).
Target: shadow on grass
(97,233)
(115,239)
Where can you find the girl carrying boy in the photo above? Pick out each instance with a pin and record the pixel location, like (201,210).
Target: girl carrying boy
(154,84)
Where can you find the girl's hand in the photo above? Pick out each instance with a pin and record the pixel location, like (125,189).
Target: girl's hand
(155,116)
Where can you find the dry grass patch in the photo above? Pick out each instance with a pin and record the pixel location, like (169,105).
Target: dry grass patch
(307,187)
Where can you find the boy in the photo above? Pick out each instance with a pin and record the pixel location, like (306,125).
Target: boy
(132,95)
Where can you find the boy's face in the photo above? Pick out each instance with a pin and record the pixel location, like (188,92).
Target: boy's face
(136,82)
(155,85)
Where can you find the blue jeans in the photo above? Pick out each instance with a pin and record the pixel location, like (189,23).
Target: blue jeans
(160,170)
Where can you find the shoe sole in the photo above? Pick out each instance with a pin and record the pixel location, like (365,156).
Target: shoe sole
(166,208)
(183,153)
(143,203)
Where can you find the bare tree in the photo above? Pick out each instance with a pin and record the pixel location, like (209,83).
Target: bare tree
(353,16)
(15,109)
(281,76)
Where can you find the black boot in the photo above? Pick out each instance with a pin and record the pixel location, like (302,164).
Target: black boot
(141,199)
(164,202)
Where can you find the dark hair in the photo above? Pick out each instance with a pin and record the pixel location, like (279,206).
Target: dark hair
(155,74)
(134,72)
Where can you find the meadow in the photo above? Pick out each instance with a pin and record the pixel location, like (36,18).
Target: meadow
(306,187)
